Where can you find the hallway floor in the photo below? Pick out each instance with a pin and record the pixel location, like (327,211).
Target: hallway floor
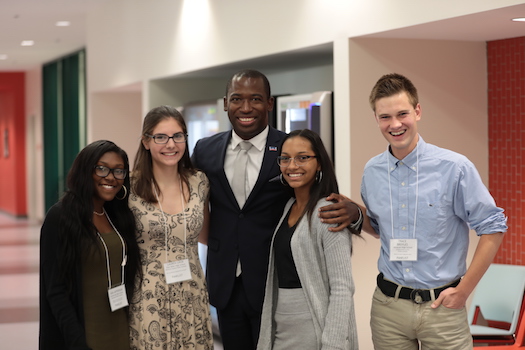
(19,253)
(19,259)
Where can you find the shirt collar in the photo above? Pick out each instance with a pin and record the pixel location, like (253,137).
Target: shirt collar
(410,160)
(258,141)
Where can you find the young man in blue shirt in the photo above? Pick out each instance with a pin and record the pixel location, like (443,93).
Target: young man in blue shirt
(421,201)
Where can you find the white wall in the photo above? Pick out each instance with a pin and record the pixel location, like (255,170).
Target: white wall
(131,41)
(303,80)
(179,91)
(117,116)
(34,146)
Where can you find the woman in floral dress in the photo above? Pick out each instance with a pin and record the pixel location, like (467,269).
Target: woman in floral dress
(170,202)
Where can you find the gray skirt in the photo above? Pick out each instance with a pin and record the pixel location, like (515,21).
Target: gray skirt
(293,321)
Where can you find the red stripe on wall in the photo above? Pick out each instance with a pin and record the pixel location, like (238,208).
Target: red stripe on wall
(506,97)
(12,144)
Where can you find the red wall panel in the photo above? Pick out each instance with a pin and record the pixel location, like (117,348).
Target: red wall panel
(506,99)
(12,146)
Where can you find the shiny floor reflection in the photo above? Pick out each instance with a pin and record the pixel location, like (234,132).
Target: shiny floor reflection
(19,280)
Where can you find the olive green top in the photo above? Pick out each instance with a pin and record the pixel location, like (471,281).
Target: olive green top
(105,330)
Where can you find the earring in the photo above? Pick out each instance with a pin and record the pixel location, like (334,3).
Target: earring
(319,176)
(283,181)
(125,193)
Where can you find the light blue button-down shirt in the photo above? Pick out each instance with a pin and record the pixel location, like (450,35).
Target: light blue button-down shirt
(450,198)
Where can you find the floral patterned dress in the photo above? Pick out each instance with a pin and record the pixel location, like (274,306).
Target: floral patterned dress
(171,316)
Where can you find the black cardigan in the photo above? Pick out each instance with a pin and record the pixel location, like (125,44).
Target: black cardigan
(61,311)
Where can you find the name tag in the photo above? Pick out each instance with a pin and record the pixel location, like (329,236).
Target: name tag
(117,297)
(177,271)
(403,249)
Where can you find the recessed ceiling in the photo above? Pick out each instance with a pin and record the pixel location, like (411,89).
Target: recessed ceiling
(35,20)
(482,26)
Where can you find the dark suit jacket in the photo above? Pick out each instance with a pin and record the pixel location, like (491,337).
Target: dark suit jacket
(240,233)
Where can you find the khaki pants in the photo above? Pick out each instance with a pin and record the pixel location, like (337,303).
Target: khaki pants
(399,324)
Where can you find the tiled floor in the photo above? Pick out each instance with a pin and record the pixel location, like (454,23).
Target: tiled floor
(19,256)
(19,283)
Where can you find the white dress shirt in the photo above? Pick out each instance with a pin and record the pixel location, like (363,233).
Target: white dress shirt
(255,156)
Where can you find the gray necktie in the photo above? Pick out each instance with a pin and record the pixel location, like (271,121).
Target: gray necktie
(239,181)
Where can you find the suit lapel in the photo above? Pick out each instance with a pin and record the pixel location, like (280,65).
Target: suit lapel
(224,142)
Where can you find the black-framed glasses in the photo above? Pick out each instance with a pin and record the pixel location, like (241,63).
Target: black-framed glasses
(103,171)
(299,160)
(163,138)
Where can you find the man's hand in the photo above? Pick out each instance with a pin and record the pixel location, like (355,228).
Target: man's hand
(343,212)
(455,298)
(451,298)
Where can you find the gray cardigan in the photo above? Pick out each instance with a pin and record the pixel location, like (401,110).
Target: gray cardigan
(323,263)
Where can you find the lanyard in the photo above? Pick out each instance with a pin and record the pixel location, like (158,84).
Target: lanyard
(124,256)
(390,191)
(165,223)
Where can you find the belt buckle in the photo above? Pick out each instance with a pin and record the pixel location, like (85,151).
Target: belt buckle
(416,296)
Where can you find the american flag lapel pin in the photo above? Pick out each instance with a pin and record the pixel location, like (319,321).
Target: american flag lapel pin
(272,148)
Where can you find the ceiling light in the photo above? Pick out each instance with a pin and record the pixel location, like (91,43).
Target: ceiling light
(3,56)
(27,43)
(519,19)
(63,24)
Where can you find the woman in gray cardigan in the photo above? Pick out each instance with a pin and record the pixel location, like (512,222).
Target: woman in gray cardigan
(309,290)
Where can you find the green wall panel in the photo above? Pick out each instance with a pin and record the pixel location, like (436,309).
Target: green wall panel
(64,120)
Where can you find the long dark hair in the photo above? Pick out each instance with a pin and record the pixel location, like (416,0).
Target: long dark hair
(143,178)
(77,228)
(328,182)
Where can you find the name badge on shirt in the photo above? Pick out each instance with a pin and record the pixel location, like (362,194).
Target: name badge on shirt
(177,271)
(403,249)
(117,297)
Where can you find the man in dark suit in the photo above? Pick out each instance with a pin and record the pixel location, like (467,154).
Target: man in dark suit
(240,233)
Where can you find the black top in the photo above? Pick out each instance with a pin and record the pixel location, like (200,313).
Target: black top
(62,316)
(61,308)
(284,264)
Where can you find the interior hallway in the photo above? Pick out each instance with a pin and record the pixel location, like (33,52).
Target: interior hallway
(19,259)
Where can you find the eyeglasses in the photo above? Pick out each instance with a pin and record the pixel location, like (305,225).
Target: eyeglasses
(103,171)
(299,160)
(163,138)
